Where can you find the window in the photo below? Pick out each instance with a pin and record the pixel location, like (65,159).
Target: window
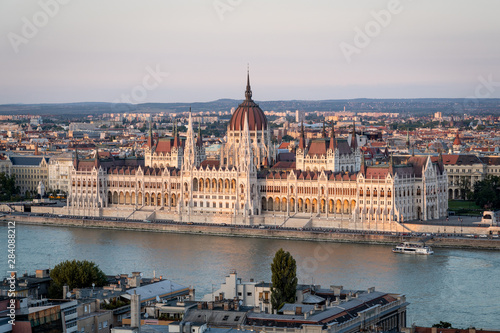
(105,324)
(225,318)
(249,294)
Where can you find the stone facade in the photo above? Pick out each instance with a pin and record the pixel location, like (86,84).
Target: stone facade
(329,179)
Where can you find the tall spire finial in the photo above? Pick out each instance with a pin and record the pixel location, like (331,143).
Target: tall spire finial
(248,92)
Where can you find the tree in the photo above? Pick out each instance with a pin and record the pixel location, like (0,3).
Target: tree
(487,192)
(443,324)
(8,189)
(284,279)
(464,186)
(75,274)
(287,138)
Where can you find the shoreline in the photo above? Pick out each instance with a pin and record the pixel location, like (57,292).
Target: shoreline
(230,231)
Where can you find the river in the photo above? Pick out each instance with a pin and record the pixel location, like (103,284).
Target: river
(458,286)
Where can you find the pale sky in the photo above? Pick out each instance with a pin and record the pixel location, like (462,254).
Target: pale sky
(99,50)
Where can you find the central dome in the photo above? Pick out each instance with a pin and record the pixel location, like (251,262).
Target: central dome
(256,118)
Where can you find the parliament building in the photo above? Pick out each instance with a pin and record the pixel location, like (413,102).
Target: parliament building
(328,181)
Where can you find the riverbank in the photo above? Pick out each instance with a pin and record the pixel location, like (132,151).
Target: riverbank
(255,232)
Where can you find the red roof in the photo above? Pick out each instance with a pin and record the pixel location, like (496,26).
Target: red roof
(164,145)
(256,118)
(210,164)
(376,172)
(317,147)
(284,145)
(457,141)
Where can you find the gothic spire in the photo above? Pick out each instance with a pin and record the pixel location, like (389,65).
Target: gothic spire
(176,137)
(96,161)
(323,132)
(301,140)
(354,142)
(333,141)
(150,138)
(248,91)
(391,165)
(189,150)
(363,164)
(199,139)
(75,162)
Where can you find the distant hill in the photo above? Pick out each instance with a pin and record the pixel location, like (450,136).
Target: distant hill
(414,106)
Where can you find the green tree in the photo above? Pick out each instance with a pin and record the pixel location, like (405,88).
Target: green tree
(487,193)
(75,274)
(465,190)
(442,324)
(8,189)
(287,138)
(284,279)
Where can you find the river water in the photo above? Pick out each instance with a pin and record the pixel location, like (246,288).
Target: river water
(458,286)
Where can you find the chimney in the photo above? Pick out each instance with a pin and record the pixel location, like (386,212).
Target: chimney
(210,305)
(336,289)
(65,291)
(298,310)
(192,294)
(135,311)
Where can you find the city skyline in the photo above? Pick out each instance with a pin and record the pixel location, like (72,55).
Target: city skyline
(58,51)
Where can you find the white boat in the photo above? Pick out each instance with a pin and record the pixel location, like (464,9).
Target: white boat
(413,248)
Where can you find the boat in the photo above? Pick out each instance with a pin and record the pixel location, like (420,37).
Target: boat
(413,248)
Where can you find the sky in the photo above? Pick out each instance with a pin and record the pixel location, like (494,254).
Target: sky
(54,51)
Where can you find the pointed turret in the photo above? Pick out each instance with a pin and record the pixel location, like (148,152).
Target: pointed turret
(248,91)
(407,139)
(246,158)
(323,132)
(76,161)
(150,137)
(457,141)
(363,164)
(354,141)
(189,150)
(391,165)
(36,148)
(302,140)
(441,162)
(96,160)
(333,140)
(176,137)
(199,139)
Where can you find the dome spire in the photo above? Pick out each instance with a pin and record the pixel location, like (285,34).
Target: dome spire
(248,92)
